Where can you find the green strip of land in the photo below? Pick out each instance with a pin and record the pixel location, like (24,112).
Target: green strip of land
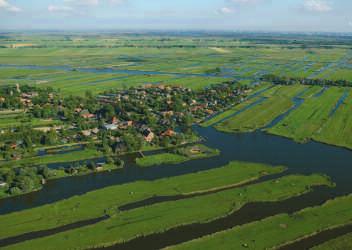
(279,230)
(183,154)
(163,216)
(308,119)
(107,200)
(158,159)
(338,129)
(58,158)
(340,243)
(263,113)
(234,109)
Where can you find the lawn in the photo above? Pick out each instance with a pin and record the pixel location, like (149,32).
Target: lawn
(179,155)
(158,159)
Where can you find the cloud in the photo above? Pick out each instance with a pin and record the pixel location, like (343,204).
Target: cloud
(245,1)
(226,10)
(82,2)
(317,5)
(4,4)
(92,2)
(80,6)
(55,8)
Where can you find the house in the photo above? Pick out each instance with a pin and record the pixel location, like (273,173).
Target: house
(86,115)
(110,127)
(167,113)
(148,135)
(100,166)
(86,132)
(95,131)
(125,124)
(169,133)
(114,120)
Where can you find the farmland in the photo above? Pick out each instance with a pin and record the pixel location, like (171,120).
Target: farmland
(306,222)
(73,210)
(172,214)
(175,140)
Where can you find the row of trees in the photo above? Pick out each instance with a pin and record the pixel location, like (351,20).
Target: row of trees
(284,80)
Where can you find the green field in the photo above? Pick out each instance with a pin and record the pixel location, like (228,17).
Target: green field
(278,102)
(233,82)
(263,234)
(306,121)
(106,201)
(174,55)
(180,155)
(159,159)
(337,130)
(231,111)
(340,243)
(124,226)
(58,158)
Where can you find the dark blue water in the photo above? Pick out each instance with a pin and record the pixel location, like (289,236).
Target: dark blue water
(258,147)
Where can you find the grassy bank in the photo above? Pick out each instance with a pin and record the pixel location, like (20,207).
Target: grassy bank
(108,199)
(280,229)
(85,154)
(166,158)
(340,243)
(179,155)
(142,221)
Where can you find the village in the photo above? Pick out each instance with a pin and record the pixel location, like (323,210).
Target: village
(109,124)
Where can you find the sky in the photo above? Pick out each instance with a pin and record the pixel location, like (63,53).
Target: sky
(230,15)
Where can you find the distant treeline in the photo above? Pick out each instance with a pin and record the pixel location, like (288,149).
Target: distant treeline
(283,80)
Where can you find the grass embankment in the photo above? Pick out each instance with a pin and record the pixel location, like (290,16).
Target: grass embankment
(278,102)
(308,119)
(280,229)
(158,159)
(85,154)
(340,243)
(180,155)
(163,216)
(338,129)
(97,203)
